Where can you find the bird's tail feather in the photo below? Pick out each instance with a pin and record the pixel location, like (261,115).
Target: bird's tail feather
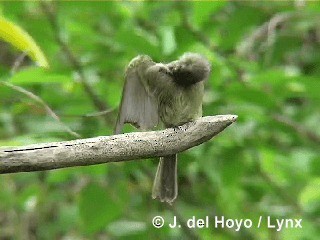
(165,186)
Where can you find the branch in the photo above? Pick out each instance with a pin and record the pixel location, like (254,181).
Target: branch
(39,100)
(115,148)
(74,62)
(300,129)
(203,38)
(18,62)
(278,189)
(264,35)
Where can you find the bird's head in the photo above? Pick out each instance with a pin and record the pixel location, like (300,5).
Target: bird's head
(189,69)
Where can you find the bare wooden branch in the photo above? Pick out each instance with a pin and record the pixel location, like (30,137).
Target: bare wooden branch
(115,148)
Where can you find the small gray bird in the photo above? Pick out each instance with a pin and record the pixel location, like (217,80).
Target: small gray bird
(170,92)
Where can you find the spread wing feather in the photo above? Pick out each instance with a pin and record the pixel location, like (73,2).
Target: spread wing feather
(138,107)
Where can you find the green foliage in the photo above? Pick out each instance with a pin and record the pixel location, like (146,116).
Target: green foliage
(266,164)
(96,208)
(35,75)
(16,36)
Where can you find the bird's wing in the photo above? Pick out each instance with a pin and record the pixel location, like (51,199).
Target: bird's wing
(138,107)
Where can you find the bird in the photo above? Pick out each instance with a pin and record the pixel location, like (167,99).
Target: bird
(167,93)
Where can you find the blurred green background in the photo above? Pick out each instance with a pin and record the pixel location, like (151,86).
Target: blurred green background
(265,68)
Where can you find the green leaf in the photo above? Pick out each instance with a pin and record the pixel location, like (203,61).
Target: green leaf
(97,209)
(273,163)
(239,23)
(184,39)
(310,196)
(34,75)
(203,10)
(20,39)
(137,40)
(308,231)
(60,176)
(315,166)
(168,41)
(29,196)
(252,94)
